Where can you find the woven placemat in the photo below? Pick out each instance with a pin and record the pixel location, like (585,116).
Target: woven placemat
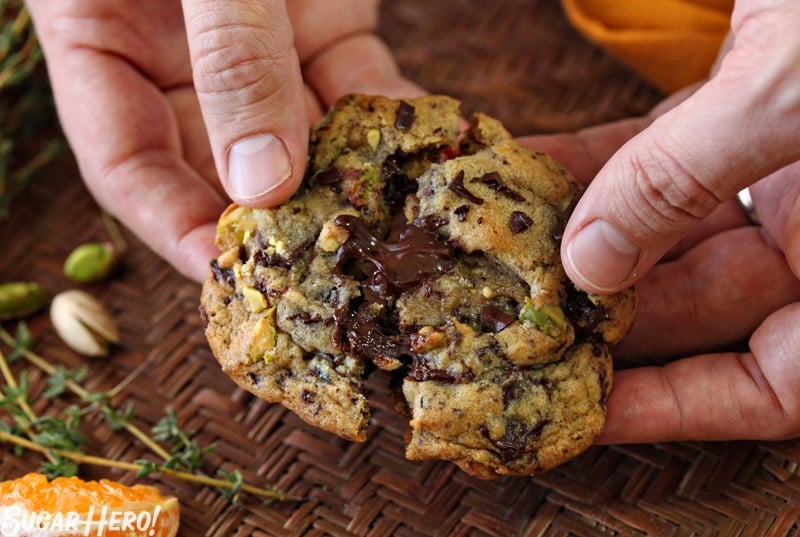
(520,61)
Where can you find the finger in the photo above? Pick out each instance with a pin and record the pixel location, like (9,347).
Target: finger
(682,167)
(248,81)
(129,156)
(586,151)
(727,216)
(317,25)
(361,63)
(777,202)
(711,297)
(192,131)
(714,396)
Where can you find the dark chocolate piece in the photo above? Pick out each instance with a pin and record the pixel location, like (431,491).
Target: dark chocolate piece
(223,275)
(494,319)
(495,182)
(519,222)
(458,187)
(405,116)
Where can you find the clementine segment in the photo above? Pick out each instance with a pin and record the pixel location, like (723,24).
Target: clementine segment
(32,506)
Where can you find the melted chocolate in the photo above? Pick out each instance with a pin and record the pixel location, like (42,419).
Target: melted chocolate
(365,332)
(410,256)
(416,255)
(458,187)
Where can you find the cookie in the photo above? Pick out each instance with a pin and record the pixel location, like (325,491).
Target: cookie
(432,254)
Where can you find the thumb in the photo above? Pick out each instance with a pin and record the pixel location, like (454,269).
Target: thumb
(249,85)
(736,129)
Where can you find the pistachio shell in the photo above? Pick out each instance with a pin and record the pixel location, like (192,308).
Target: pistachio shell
(91,262)
(83,323)
(20,299)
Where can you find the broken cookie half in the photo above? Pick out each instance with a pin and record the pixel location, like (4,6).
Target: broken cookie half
(433,254)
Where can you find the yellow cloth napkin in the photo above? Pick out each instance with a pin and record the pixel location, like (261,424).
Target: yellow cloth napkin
(671,43)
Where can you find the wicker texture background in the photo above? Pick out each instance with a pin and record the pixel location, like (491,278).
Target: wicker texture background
(518,60)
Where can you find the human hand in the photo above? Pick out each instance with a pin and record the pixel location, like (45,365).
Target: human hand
(658,213)
(160,100)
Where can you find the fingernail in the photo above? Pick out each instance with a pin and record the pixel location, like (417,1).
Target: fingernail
(257,165)
(602,255)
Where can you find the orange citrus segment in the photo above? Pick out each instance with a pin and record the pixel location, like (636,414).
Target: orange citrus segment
(32,506)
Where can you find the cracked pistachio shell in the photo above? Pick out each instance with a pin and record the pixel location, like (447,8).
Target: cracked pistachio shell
(83,323)
(20,299)
(91,262)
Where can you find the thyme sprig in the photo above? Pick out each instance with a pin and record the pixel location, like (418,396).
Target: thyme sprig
(59,439)
(227,483)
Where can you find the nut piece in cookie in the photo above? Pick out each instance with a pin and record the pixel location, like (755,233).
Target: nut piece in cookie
(431,254)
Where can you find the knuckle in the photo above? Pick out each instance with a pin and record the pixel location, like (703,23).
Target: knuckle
(666,193)
(229,59)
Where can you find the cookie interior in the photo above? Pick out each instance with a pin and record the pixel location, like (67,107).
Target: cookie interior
(434,254)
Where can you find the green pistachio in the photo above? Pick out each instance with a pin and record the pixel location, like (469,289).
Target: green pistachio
(91,262)
(19,299)
(548,318)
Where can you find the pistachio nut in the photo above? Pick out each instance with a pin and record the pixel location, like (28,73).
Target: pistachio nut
(83,323)
(20,299)
(548,318)
(255,299)
(91,262)
(264,336)
(373,138)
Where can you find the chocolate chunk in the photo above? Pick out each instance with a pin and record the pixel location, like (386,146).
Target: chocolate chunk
(329,177)
(495,182)
(458,187)
(306,318)
(519,222)
(364,331)
(461,212)
(494,319)
(421,371)
(265,259)
(515,440)
(432,222)
(584,314)
(405,116)
(558,232)
(223,275)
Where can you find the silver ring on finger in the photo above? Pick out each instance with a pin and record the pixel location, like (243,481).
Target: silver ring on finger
(745,201)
